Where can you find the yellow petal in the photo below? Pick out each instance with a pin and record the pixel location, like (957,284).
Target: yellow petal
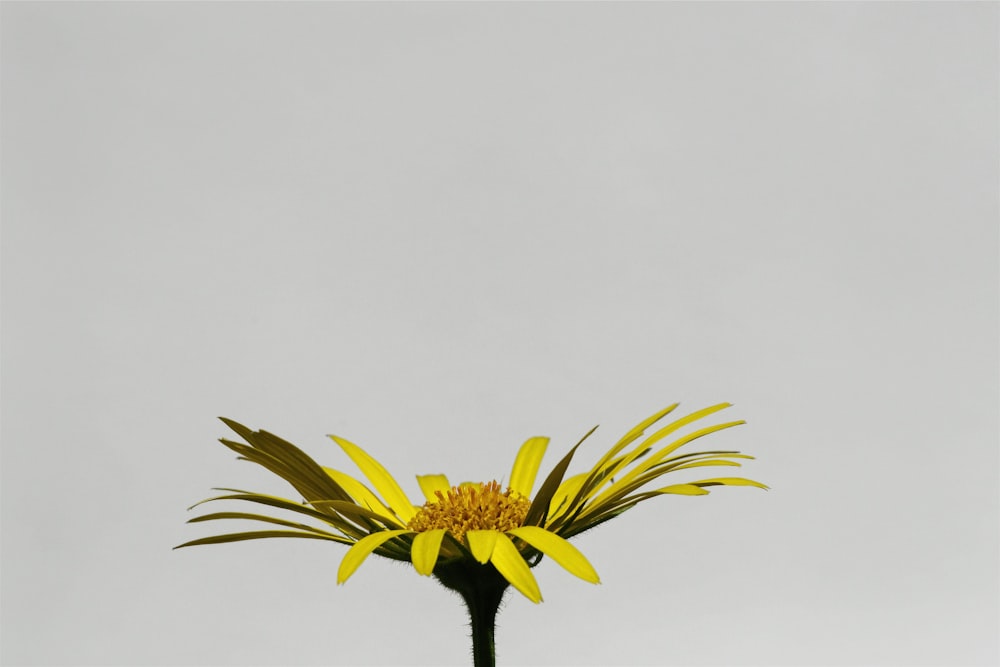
(424,552)
(680,442)
(431,483)
(508,562)
(540,504)
(627,479)
(684,421)
(558,550)
(683,490)
(380,479)
(529,457)
(481,543)
(565,494)
(608,466)
(633,435)
(361,493)
(622,463)
(731,481)
(357,554)
(704,462)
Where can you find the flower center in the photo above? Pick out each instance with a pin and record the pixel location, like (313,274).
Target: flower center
(472,507)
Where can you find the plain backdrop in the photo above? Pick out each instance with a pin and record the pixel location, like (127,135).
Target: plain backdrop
(439,229)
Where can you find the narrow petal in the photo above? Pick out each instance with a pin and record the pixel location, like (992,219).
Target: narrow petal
(332,519)
(609,469)
(600,514)
(702,463)
(425,549)
(431,483)
(608,465)
(633,435)
(380,479)
(285,460)
(683,490)
(360,515)
(684,421)
(509,562)
(641,427)
(357,554)
(558,550)
(361,493)
(565,493)
(481,543)
(626,480)
(730,481)
(256,535)
(250,516)
(540,505)
(529,457)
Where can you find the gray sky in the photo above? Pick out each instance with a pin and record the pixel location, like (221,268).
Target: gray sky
(439,229)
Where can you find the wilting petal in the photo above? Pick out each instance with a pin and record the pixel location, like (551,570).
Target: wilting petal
(540,505)
(338,522)
(509,562)
(529,457)
(255,535)
(558,550)
(425,549)
(270,519)
(357,554)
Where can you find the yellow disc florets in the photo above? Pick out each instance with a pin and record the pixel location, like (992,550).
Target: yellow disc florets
(472,507)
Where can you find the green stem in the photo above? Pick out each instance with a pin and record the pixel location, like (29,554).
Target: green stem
(483,608)
(482,588)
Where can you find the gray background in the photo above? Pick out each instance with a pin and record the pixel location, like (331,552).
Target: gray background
(438,229)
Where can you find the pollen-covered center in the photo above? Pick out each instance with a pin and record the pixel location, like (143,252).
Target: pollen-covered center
(472,507)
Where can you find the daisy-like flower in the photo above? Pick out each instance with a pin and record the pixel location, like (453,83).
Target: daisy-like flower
(475,538)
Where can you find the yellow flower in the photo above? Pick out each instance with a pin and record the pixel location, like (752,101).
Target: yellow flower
(473,533)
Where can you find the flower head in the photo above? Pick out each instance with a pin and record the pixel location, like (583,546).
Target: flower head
(473,530)
(471,507)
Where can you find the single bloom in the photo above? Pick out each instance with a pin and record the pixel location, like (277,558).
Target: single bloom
(475,538)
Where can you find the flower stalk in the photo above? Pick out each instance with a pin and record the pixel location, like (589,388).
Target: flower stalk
(482,619)
(482,588)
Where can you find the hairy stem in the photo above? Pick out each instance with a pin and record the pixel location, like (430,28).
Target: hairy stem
(482,588)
